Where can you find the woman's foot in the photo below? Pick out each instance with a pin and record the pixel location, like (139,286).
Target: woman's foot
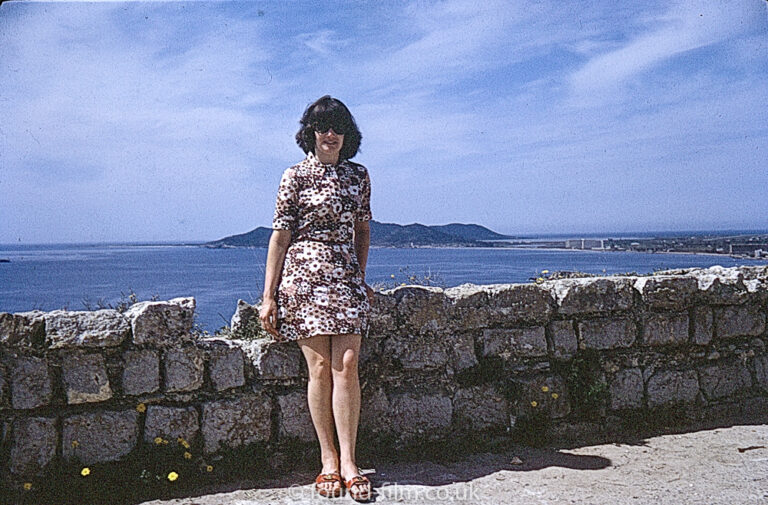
(358,486)
(328,484)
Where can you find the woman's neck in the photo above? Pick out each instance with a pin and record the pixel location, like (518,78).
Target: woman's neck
(325,159)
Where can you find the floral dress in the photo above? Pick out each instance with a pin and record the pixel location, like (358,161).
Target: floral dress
(321,289)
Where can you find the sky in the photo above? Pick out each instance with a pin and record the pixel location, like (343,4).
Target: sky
(173,121)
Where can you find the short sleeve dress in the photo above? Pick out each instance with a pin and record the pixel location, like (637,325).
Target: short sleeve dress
(321,289)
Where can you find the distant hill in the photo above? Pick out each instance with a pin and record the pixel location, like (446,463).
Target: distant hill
(470,231)
(388,235)
(254,238)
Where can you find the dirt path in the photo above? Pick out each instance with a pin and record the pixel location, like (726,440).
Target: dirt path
(716,466)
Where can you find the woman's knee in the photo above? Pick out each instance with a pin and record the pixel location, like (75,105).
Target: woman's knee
(345,366)
(317,354)
(319,368)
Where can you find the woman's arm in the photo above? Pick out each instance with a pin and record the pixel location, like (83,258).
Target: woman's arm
(278,245)
(362,243)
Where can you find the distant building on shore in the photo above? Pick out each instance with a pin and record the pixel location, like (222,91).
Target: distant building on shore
(756,249)
(585,243)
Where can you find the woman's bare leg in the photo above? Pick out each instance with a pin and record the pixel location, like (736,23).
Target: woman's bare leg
(317,352)
(345,350)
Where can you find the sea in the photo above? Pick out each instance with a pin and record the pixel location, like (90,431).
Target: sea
(91,276)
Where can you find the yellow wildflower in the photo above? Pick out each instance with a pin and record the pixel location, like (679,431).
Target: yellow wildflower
(534,403)
(158,440)
(27,486)
(402,284)
(545,271)
(165,442)
(555,395)
(85,472)
(392,276)
(141,408)
(75,443)
(173,476)
(209,468)
(187,455)
(183,443)
(545,388)
(539,279)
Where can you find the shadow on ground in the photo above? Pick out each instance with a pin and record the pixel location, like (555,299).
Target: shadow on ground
(437,464)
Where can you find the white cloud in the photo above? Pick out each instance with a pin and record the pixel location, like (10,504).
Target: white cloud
(686,26)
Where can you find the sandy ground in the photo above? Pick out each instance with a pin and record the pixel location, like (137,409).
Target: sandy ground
(717,466)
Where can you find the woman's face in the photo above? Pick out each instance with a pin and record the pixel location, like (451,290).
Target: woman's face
(329,143)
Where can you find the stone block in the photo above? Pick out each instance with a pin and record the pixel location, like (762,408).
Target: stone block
(592,295)
(480,408)
(226,367)
(416,352)
(98,328)
(667,292)
(374,413)
(513,303)
(141,372)
(30,383)
(469,306)
(626,389)
(665,329)
(542,392)
(162,323)
(422,309)
(607,333)
(672,386)
(720,286)
(234,423)
(245,320)
(564,343)
(422,417)
(274,360)
(295,420)
(702,325)
(383,315)
(85,378)
(100,437)
(183,369)
(510,343)
(4,395)
(24,329)
(462,352)
(171,423)
(761,371)
(34,445)
(739,321)
(722,380)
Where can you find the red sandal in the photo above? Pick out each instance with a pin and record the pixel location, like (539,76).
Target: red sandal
(333,492)
(354,486)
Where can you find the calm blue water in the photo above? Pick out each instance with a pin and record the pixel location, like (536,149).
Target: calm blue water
(63,276)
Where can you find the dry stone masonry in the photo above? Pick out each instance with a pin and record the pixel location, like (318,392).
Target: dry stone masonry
(568,355)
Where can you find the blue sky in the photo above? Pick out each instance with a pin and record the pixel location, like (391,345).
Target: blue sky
(165,121)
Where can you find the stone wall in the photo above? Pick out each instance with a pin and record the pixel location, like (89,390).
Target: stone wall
(561,357)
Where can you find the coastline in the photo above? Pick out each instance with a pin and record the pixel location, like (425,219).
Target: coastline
(452,247)
(563,249)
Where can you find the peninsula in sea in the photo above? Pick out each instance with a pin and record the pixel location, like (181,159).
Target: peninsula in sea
(740,244)
(393,235)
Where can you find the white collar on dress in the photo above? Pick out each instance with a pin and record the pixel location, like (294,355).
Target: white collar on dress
(318,167)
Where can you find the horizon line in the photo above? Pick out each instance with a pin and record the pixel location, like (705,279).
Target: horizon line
(521,236)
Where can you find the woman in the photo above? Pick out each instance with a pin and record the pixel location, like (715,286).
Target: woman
(317,253)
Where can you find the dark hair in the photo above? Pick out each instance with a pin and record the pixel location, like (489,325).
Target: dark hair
(329,110)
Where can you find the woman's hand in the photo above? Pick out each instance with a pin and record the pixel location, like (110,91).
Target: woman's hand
(268,317)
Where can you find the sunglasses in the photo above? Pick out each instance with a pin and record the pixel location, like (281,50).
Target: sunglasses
(339,127)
